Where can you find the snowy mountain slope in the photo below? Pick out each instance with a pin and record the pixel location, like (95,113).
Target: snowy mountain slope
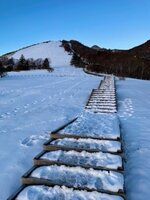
(51,50)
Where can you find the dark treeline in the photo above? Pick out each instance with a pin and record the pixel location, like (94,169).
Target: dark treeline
(126,63)
(10,64)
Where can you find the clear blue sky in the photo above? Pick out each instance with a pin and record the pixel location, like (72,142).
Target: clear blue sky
(107,23)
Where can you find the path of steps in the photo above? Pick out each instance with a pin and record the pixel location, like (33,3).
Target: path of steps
(82,160)
(103,99)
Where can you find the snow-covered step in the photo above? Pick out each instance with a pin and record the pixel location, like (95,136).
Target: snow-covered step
(59,193)
(92,125)
(102,101)
(98,106)
(102,110)
(96,160)
(101,104)
(103,97)
(90,145)
(103,92)
(76,177)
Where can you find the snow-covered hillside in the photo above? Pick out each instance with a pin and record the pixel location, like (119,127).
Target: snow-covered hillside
(52,50)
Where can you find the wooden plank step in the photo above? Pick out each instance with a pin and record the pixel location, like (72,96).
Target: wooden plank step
(103,98)
(98,160)
(103,95)
(102,111)
(102,101)
(101,104)
(70,135)
(76,177)
(56,192)
(89,145)
(98,106)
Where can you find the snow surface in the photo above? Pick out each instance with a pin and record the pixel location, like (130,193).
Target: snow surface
(61,193)
(53,50)
(99,145)
(80,177)
(105,125)
(134,112)
(32,104)
(98,159)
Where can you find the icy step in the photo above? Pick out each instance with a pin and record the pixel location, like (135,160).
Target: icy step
(42,192)
(94,125)
(81,144)
(97,160)
(76,177)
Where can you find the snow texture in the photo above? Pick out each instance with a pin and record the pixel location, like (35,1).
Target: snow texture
(80,177)
(134,112)
(98,145)
(61,193)
(105,126)
(98,159)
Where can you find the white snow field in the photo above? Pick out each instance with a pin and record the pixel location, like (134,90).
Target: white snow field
(62,193)
(134,112)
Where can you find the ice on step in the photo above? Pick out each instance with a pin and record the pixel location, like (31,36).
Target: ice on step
(96,125)
(91,144)
(97,159)
(80,177)
(61,193)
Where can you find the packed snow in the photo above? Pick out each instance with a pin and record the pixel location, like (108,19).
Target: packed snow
(84,158)
(80,177)
(89,144)
(105,126)
(62,193)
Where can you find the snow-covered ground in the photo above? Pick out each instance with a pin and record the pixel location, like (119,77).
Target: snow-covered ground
(134,112)
(31,105)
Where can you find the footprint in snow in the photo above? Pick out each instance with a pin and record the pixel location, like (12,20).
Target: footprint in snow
(33,139)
